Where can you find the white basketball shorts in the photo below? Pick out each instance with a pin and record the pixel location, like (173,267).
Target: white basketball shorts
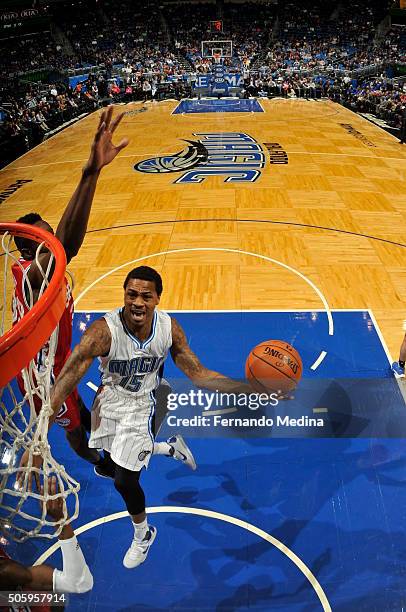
(122,425)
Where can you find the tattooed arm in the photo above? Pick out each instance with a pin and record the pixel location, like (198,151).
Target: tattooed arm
(201,376)
(95,342)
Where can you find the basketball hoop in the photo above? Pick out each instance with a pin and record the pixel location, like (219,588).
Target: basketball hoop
(22,510)
(24,340)
(217,58)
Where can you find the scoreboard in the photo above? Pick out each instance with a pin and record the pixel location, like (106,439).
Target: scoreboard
(22,21)
(216,27)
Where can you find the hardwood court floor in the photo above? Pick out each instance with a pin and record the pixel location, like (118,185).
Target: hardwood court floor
(334,212)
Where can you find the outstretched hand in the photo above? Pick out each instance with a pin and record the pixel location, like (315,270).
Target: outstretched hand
(103,150)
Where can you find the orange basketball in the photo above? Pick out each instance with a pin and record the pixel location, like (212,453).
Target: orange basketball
(273,365)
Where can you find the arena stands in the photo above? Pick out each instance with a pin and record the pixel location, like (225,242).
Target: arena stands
(87,53)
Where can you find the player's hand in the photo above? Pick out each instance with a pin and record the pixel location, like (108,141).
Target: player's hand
(54,506)
(103,151)
(36,463)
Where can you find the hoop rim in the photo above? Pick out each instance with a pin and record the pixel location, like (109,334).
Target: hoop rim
(23,341)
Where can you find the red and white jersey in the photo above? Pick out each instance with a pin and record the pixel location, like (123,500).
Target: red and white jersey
(20,307)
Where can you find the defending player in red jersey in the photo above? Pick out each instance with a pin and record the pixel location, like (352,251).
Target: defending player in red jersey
(75,576)
(71,230)
(70,414)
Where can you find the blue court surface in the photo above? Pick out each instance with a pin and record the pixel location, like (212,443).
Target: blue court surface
(224,105)
(293,518)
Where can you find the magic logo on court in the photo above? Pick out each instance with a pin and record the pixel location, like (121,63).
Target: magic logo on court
(235,155)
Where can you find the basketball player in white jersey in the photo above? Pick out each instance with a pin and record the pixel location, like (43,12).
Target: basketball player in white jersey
(74,416)
(132,344)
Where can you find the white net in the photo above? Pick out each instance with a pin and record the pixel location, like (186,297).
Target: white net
(24,415)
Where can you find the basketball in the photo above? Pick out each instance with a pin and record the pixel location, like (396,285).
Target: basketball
(273,365)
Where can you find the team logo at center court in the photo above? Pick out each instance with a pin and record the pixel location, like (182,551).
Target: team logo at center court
(235,155)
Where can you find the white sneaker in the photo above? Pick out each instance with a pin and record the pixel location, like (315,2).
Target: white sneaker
(138,551)
(181,451)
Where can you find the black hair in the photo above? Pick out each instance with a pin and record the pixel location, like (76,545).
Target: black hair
(145,273)
(29,219)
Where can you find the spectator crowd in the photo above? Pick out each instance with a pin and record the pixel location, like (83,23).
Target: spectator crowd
(148,50)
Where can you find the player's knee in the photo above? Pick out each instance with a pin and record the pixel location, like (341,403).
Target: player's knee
(126,486)
(119,485)
(125,479)
(126,483)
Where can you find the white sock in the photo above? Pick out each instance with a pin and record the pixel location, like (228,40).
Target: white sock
(140,530)
(162,448)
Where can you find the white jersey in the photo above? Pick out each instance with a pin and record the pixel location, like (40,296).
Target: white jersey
(124,406)
(131,366)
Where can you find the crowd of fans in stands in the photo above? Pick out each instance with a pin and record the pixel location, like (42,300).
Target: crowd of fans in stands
(36,111)
(299,48)
(304,35)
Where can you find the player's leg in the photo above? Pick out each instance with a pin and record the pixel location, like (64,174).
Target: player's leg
(127,484)
(104,467)
(85,415)
(77,440)
(398,367)
(161,408)
(126,433)
(102,434)
(70,418)
(175,446)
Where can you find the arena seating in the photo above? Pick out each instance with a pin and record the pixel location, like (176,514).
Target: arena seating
(300,48)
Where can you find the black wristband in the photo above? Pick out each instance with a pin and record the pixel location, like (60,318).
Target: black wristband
(401,363)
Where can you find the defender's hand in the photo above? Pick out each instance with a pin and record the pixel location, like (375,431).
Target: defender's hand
(103,150)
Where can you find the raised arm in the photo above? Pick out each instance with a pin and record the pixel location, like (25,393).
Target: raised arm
(95,342)
(73,224)
(72,227)
(189,363)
